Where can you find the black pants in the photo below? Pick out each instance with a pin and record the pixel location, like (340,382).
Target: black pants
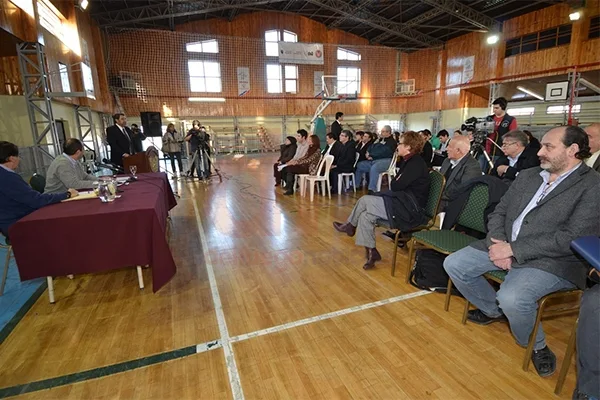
(588,343)
(333,177)
(172,157)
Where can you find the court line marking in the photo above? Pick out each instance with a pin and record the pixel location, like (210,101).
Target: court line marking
(232,369)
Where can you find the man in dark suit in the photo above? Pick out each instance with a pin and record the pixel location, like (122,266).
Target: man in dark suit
(458,168)
(344,162)
(427,152)
(137,138)
(17,198)
(336,126)
(593,132)
(529,236)
(517,157)
(119,138)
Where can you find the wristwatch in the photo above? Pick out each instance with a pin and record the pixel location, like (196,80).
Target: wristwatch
(68,194)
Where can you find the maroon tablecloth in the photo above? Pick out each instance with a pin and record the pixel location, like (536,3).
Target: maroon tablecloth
(79,237)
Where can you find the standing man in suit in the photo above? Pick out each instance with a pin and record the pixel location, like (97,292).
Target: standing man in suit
(593,132)
(458,168)
(137,138)
(517,157)
(119,137)
(336,126)
(529,236)
(66,171)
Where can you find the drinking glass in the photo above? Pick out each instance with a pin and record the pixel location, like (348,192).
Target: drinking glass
(133,170)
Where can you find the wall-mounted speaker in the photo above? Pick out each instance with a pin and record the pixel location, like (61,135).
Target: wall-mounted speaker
(151,123)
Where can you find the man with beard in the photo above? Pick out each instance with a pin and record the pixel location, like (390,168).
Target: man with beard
(529,236)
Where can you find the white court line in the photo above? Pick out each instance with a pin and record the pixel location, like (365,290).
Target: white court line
(232,370)
(330,315)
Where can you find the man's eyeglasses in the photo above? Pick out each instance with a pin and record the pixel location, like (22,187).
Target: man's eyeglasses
(506,144)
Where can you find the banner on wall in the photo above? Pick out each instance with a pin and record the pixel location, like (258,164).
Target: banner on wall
(468,69)
(318,83)
(301,53)
(243,78)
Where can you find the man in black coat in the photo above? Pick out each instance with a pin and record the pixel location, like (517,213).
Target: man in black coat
(458,168)
(344,162)
(119,138)
(517,157)
(336,126)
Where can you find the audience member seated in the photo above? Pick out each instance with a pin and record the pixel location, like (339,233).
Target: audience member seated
(305,165)
(334,147)
(593,132)
(517,157)
(440,154)
(344,163)
(17,198)
(66,171)
(402,206)
(427,152)
(588,344)
(358,138)
(529,236)
(287,152)
(534,144)
(458,168)
(457,133)
(301,149)
(379,156)
(363,146)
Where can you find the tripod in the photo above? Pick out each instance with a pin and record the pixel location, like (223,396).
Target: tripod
(205,165)
(478,148)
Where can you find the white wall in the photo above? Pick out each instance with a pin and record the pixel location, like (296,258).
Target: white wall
(419,121)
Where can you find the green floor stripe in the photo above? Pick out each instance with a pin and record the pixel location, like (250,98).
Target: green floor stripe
(12,324)
(97,372)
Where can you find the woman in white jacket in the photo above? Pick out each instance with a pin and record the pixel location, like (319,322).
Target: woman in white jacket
(172,148)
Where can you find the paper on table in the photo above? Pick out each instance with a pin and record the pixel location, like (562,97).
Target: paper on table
(83,196)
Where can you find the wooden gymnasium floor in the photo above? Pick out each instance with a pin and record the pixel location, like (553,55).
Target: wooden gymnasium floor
(300,318)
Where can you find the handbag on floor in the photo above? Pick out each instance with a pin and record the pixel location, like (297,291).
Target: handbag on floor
(428,272)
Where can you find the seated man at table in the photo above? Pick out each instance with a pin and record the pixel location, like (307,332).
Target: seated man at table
(17,198)
(67,172)
(529,236)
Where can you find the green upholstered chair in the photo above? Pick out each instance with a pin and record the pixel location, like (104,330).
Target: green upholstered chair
(448,241)
(436,188)
(499,276)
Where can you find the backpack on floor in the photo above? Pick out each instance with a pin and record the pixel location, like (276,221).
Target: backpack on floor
(428,272)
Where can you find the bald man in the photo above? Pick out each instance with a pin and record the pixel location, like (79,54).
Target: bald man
(593,132)
(458,168)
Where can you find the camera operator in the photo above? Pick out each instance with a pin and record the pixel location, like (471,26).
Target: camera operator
(503,123)
(199,138)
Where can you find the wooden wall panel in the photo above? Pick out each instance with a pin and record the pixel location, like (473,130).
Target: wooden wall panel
(16,21)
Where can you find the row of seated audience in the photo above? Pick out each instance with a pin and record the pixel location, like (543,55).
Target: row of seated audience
(553,198)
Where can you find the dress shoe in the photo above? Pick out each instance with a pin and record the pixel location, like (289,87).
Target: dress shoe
(370,192)
(373,257)
(544,361)
(288,193)
(346,228)
(479,318)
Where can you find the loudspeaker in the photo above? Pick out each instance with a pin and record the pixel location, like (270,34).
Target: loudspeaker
(151,123)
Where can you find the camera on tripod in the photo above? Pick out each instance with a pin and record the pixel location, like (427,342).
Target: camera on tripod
(480,127)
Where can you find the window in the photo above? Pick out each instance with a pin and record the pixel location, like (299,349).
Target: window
(563,109)
(343,54)
(282,76)
(542,40)
(515,112)
(594,28)
(205,76)
(64,77)
(348,80)
(205,46)
(88,80)
(274,36)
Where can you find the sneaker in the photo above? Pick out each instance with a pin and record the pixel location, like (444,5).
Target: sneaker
(544,361)
(479,318)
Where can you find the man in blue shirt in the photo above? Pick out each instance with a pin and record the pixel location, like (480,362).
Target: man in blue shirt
(17,198)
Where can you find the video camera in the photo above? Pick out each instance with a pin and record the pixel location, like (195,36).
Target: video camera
(480,127)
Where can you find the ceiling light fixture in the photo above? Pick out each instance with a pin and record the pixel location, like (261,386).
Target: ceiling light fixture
(493,38)
(574,16)
(83,4)
(529,92)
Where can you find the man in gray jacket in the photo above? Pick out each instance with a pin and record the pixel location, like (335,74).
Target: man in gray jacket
(458,168)
(67,172)
(529,235)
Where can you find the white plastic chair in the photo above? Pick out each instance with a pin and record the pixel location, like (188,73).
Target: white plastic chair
(349,177)
(391,171)
(299,179)
(324,179)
